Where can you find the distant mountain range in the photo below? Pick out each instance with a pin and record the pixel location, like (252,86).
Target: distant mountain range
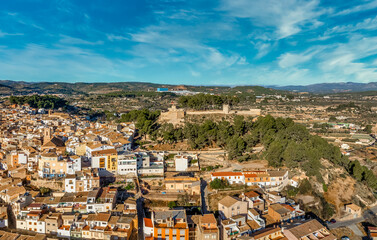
(8,87)
(330,87)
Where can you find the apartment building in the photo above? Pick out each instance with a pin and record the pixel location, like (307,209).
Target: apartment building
(151,164)
(207,227)
(170,225)
(83,181)
(105,159)
(51,164)
(127,163)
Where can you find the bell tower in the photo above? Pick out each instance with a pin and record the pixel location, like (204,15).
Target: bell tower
(47,134)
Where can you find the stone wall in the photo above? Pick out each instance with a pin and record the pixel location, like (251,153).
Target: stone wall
(52,184)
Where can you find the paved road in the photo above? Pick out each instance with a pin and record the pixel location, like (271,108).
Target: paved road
(204,196)
(140,210)
(370,213)
(356,230)
(140,217)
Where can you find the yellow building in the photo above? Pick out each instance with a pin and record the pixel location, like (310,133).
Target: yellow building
(106,159)
(51,165)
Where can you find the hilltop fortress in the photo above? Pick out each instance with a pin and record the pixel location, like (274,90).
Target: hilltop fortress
(176,116)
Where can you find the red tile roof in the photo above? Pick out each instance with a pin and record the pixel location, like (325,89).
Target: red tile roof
(148,222)
(225,174)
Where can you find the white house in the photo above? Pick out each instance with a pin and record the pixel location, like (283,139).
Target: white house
(73,164)
(181,163)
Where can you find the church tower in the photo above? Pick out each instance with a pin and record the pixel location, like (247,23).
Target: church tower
(47,134)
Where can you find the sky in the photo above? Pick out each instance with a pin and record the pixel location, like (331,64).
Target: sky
(195,42)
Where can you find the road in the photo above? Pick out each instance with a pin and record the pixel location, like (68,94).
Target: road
(140,217)
(368,214)
(204,196)
(140,210)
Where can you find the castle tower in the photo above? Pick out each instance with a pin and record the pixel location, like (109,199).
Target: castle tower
(226,108)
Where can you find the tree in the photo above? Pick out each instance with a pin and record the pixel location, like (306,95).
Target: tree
(368,129)
(332,119)
(305,187)
(274,153)
(219,183)
(172,204)
(44,190)
(130,186)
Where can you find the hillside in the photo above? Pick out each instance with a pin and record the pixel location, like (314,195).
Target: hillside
(330,87)
(8,87)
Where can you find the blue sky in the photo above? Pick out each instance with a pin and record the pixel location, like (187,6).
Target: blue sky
(220,42)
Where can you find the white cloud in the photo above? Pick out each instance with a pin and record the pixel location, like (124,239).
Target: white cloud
(60,63)
(113,37)
(4,34)
(349,29)
(290,60)
(77,41)
(195,73)
(346,60)
(286,17)
(359,8)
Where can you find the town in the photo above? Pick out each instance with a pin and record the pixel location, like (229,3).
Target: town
(64,176)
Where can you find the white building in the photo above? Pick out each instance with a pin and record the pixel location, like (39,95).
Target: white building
(127,164)
(64,231)
(73,164)
(35,221)
(89,150)
(181,163)
(150,164)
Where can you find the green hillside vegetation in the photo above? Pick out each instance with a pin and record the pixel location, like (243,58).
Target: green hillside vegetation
(205,101)
(286,143)
(342,107)
(38,101)
(122,94)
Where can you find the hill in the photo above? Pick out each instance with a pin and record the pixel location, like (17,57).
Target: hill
(8,87)
(330,87)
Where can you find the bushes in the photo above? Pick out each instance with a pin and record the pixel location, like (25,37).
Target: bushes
(292,191)
(305,187)
(219,184)
(324,186)
(172,204)
(210,168)
(129,186)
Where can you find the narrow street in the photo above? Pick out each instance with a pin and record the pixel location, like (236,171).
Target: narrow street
(204,196)
(140,211)
(140,217)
